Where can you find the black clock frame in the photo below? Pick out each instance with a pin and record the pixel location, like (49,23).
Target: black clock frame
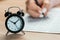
(21,26)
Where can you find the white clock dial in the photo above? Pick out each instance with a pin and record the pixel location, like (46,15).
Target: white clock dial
(14,23)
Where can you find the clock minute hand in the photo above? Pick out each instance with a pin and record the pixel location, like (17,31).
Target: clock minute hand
(11,21)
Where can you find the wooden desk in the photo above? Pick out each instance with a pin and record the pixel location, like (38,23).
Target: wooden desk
(4,4)
(30,36)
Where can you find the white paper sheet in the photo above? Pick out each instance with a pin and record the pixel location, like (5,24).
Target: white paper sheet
(50,24)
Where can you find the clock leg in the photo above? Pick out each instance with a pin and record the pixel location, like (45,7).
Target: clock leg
(7,33)
(23,32)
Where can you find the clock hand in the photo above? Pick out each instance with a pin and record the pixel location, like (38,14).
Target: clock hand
(11,21)
(16,21)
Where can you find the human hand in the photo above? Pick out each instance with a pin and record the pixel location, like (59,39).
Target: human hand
(36,11)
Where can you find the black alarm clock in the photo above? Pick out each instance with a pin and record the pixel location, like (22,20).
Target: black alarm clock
(14,22)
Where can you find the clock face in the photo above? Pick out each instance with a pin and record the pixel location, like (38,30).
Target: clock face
(14,23)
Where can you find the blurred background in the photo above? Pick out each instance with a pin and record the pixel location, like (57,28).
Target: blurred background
(4,5)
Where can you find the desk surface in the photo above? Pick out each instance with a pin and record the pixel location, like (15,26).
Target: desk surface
(4,4)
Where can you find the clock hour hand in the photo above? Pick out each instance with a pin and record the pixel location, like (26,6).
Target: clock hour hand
(16,21)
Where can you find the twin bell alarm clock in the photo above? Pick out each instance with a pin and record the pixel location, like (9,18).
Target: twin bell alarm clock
(14,22)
